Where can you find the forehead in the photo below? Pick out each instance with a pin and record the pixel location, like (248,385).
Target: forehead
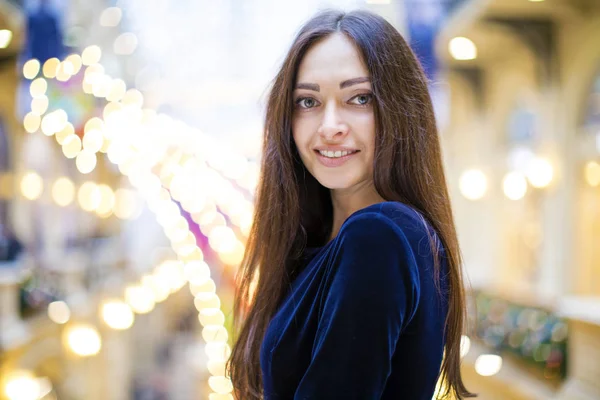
(334,58)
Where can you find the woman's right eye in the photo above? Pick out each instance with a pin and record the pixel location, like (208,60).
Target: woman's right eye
(306,102)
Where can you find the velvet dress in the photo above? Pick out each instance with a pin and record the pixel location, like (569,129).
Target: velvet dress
(363,319)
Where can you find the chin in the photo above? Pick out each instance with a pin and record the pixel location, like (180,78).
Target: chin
(334,182)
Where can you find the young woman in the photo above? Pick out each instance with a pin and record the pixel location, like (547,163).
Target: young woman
(353,253)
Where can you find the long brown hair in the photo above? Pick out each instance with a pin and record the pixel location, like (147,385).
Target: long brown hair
(293,210)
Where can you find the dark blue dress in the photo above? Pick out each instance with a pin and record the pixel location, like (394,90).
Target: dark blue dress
(363,320)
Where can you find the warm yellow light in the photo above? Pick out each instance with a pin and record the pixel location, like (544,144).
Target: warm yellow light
(161,289)
(488,364)
(220,384)
(515,185)
(462,48)
(89,196)
(211,316)
(75,60)
(140,298)
(206,286)
(117,314)
(6,185)
(217,396)
(473,184)
(71,146)
(126,204)
(101,86)
(64,71)
(235,256)
(222,239)
(93,140)
(31,68)
(465,345)
(592,173)
(38,87)
(83,340)
(125,43)
(91,55)
(206,300)
(133,97)
(86,161)
(59,312)
(215,333)
(64,133)
(196,270)
(32,186)
(63,191)
(110,109)
(216,368)
(50,67)
(21,385)
(5,38)
(540,173)
(218,351)
(31,122)
(117,90)
(39,105)
(111,16)
(107,201)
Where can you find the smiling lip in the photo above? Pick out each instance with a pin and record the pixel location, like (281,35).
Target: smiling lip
(333,162)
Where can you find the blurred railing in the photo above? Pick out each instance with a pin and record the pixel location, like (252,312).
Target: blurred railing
(535,337)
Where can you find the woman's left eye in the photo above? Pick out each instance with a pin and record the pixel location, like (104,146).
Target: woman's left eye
(362,99)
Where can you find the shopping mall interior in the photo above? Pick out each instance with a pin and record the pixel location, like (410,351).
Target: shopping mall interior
(130,148)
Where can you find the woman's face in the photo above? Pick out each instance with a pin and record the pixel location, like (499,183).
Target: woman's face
(333,123)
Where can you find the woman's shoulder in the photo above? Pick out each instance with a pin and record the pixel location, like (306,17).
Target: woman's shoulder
(380,218)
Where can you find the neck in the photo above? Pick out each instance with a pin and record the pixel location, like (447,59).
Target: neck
(345,202)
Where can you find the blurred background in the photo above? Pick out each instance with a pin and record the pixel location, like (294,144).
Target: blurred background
(129,146)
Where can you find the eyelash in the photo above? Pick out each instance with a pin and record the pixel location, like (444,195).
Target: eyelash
(369,95)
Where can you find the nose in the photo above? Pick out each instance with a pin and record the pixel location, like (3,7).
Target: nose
(332,126)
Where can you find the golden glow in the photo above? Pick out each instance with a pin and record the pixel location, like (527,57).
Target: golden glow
(91,55)
(31,122)
(59,312)
(5,38)
(89,196)
(63,191)
(126,204)
(211,316)
(125,43)
(31,68)
(140,298)
(473,184)
(216,368)
(64,133)
(117,90)
(38,87)
(64,71)
(32,186)
(592,173)
(488,364)
(117,314)
(220,384)
(51,67)
(465,345)
(218,351)
(39,105)
(514,185)
(6,185)
(462,48)
(160,288)
(206,300)
(71,146)
(111,16)
(107,202)
(83,340)
(133,97)
(21,385)
(93,140)
(215,333)
(540,172)
(76,62)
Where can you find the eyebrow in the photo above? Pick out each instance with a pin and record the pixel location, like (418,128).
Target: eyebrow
(316,88)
